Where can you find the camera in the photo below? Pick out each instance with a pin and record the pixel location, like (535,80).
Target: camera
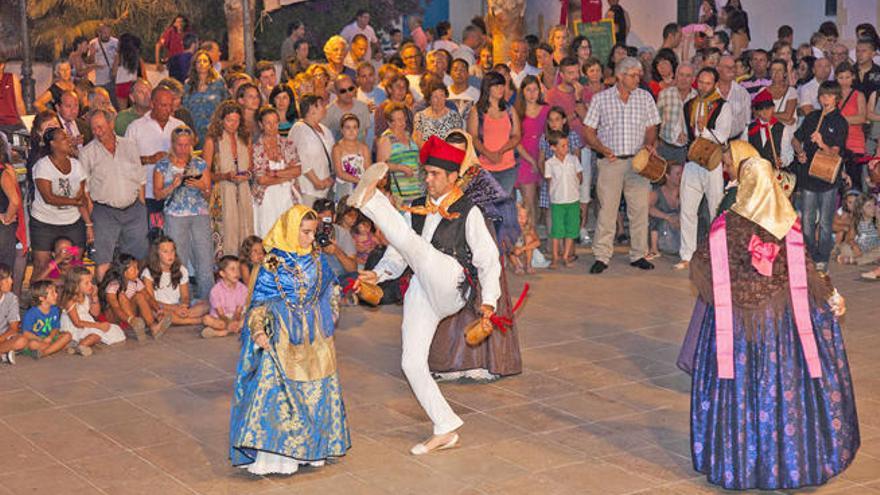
(324,235)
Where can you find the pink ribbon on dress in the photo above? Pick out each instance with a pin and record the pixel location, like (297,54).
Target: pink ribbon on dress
(723,296)
(721,291)
(797,282)
(763,255)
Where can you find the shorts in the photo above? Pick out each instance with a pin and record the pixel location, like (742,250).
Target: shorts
(566,219)
(30,353)
(43,235)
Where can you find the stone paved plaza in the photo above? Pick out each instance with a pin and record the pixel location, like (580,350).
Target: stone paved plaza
(600,407)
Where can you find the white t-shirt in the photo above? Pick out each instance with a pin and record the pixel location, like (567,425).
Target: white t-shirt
(352,30)
(163,291)
(313,154)
(465,100)
(67,185)
(808,94)
(111,48)
(151,139)
(564,185)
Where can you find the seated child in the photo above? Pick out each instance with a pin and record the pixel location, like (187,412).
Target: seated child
(844,228)
(167,282)
(867,236)
(125,299)
(521,255)
(64,256)
(79,298)
(250,254)
(228,298)
(11,339)
(41,324)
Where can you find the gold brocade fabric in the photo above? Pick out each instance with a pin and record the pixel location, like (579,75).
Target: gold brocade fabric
(284,235)
(740,151)
(760,198)
(308,361)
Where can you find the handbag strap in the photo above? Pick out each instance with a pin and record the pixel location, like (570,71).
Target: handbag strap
(106,59)
(326,153)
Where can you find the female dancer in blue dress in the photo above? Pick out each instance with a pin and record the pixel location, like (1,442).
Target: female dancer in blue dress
(772,403)
(287,406)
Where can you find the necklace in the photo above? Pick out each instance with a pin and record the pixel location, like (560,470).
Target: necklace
(300,277)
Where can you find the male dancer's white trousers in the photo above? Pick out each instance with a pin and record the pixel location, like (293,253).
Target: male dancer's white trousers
(432,296)
(697,182)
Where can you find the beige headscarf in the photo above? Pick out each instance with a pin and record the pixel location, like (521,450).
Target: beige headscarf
(760,198)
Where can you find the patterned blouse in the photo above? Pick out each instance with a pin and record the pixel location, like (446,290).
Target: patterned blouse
(201,104)
(184,201)
(438,127)
(261,166)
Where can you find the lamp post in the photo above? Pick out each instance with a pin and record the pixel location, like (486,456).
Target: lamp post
(27,81)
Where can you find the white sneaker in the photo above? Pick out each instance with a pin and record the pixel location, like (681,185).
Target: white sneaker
(8,358)
(585,237)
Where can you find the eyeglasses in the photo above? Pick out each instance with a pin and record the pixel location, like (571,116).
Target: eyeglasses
(349,89)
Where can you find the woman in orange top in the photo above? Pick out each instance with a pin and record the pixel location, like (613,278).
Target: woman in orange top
(497,131)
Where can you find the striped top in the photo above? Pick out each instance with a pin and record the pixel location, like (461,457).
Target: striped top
(407,188)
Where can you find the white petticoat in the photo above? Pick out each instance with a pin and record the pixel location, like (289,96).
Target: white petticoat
(269,463)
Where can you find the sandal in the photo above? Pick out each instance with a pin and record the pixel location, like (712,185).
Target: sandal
(652,256)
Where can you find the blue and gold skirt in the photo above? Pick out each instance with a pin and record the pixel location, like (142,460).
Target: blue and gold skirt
(772,426)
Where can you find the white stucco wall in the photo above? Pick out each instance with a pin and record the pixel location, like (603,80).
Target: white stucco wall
(649,16)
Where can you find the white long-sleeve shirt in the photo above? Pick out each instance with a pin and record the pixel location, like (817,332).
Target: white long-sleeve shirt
(484,253)
(721,132)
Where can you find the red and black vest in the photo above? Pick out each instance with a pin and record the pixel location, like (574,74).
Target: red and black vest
(714,111)
(765,149)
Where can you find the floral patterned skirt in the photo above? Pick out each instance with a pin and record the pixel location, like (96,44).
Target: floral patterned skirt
(772,426)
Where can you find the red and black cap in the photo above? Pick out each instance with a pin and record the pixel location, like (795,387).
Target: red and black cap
(438,153)
(762,100)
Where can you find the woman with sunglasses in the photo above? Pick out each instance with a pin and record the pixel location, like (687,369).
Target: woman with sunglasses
(61,204)
(184,182)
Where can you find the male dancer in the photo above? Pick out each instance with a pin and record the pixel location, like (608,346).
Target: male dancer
(446,249)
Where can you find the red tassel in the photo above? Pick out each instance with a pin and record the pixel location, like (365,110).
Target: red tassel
(505,323)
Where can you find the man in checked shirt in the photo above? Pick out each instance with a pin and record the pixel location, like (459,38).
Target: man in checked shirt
(621,121)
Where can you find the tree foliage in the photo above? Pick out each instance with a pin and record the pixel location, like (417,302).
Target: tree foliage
(324,18)
(55,23)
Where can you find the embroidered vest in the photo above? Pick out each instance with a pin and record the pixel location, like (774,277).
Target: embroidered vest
(714,112)
(765,149)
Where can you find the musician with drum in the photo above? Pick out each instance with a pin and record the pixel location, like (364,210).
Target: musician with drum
(768,135)
(620,122)
(818,144)
(709,121)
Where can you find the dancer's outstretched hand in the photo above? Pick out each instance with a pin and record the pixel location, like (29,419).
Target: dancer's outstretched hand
(837,303)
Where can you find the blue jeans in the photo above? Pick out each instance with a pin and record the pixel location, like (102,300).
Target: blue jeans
(817,208)
(506,178)
(192,237)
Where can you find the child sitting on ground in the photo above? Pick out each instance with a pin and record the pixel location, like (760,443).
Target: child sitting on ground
(521,255)
(41,324)
(11,339)
(167,282)
(125,299)
(844,228)
(250,254)
(364,235)
(228,298)
(64,257)
(79,298)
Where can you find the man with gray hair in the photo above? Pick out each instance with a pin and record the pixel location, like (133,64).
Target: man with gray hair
(670,104)
(621,121)
(116,182)
(139,105)
(736,96)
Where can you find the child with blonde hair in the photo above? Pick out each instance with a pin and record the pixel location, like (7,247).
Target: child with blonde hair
(81,305)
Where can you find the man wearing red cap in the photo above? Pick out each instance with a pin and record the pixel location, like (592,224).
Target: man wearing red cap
(768,135)
(447,245)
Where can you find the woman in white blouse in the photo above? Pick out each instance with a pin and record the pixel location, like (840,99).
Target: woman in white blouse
(313,142)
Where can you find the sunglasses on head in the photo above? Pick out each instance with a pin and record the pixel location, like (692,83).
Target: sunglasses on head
(182,130)
(349,89)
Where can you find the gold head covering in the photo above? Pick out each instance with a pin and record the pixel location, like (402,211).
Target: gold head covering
(760,198)
(284,235)
(470,157)
(739,150)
